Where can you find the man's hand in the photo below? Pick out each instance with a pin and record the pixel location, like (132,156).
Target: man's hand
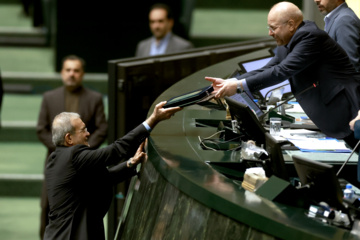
(223,88)
(352,122)
(160,114)
(139,157)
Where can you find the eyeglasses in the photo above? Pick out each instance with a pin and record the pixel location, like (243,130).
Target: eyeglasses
(273,29)
(83,130)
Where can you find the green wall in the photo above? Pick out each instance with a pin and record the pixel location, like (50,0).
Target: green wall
(243,4)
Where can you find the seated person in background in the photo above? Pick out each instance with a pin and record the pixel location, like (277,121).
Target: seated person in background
(78,181)
(163,40)
(355,126)
(322,78)
(342,25)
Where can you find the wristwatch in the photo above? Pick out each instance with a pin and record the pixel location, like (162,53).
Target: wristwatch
(130,164)
(238,87)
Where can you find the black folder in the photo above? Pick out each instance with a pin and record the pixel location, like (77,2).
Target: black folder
(190,98)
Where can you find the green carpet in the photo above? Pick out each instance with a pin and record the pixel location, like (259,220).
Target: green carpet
(233,23)
(27,59)
(19,218)
(21,107)
(11,15)
(22,157)
(22,59)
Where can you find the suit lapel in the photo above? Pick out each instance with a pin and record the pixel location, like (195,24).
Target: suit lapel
(171,44)
(334,15)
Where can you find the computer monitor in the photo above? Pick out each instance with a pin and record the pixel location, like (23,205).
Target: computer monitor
(244,98)
(321,179)
(276,165)
(254,64)
(248,124)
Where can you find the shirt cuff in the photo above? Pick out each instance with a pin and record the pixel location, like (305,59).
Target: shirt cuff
(147,126)
(243,83)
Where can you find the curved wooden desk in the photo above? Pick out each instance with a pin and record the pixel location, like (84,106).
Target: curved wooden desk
(179,196)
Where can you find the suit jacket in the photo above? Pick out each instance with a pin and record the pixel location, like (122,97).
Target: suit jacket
(311,57)
(176,44)
(91,110)
(79,185)
(344,28)
(1,96)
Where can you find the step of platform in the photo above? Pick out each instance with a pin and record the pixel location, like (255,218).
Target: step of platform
(38,83)
(21,185)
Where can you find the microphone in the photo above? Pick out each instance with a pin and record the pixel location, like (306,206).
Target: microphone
(274,89)
(314,85)
(275,96)
(272,109)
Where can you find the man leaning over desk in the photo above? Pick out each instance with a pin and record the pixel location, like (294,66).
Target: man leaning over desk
(355,126)
(322,78)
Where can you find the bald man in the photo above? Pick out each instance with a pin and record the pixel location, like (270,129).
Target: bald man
(321,76)
(342,25)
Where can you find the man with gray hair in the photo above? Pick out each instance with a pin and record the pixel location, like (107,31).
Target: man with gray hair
(80,180)
(73,96)
(342,25)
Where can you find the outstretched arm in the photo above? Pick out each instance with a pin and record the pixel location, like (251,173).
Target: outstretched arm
(159,114)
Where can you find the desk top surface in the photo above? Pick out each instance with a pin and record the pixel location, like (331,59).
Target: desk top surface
(175,151)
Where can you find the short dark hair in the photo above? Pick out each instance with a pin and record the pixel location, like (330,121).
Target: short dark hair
(74,57)
(163,6)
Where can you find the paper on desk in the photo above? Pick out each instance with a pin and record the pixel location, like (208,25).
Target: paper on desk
(300,134)
(295,109)
(312,141)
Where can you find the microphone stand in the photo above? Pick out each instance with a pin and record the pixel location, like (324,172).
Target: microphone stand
(274,89)
(271,109)
(348,158)
(288,99)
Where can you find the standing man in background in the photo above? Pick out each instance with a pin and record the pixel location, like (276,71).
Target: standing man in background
(163,40)
(355,126)
(71,97)
(342,25)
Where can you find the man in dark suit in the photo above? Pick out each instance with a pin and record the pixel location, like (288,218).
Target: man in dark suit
(342,25)
(1,95)
(80,180)
(321,76)
(71,97)
(355,126)
(163,40)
